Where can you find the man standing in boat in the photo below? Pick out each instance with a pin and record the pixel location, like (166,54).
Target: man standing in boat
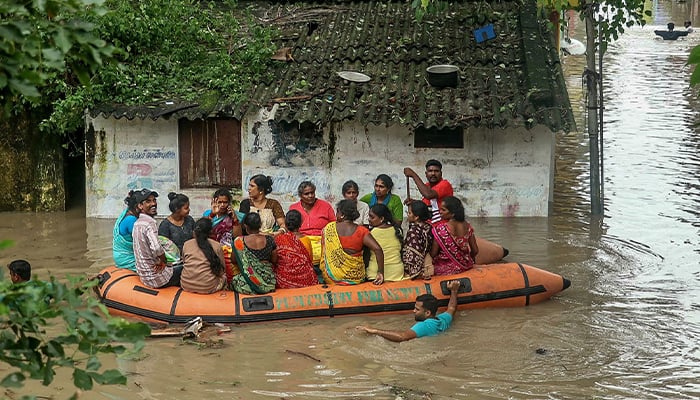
(429,322)
(149,254)
(436,188)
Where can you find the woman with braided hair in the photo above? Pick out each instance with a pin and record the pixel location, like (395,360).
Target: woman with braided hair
(204,263)
(387,232)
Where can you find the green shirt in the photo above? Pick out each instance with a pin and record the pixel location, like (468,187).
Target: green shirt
(395,205)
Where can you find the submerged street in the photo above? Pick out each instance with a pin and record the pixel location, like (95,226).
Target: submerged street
(628,328)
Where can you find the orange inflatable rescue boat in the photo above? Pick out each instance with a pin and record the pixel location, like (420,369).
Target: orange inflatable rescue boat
(493,285)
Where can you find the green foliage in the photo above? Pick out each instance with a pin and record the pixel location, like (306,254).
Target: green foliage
(423,7)
(65,56)
(613,17)
(181,50)
(694,59)
(39,39)
(85,331)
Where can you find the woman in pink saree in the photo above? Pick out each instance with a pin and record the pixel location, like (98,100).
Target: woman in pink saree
(454,245)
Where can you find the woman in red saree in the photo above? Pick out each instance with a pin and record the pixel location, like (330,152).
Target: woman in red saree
(454,245)
(294,267)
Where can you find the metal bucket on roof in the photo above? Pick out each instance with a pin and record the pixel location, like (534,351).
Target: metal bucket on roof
(443,75)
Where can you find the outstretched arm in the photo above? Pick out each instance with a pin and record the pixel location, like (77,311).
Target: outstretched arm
(394,336)
(452,305)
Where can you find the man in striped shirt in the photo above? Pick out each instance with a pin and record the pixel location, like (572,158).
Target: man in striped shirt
(149,254)
(436,188)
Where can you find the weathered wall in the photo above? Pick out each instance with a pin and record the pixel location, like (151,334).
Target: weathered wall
(32,166)
(121,155)
(498,173)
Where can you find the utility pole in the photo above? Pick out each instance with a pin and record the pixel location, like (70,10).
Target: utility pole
(592,80)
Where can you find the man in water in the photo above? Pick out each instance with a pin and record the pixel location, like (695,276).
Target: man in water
(20,271)
(430,323)
(149,254)
(436,189)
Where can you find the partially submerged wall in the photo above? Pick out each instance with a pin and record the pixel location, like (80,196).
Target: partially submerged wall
(497,173)
(32,166)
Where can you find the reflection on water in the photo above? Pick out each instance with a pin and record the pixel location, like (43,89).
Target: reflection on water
(628,328)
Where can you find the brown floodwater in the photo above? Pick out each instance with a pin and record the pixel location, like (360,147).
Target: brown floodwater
(628,328)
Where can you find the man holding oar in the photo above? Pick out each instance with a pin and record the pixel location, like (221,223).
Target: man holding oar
(435,190)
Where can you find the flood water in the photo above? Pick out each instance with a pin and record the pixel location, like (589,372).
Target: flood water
(628,328)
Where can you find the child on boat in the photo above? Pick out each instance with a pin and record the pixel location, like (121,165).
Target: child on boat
(418,242)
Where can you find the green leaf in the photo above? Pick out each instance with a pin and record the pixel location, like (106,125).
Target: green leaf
(13,380)
(62,41)
(81,379)
(54,349)
(694,57)
(93,364)
(49,374)
(109,377)
(695,76)
(24,88)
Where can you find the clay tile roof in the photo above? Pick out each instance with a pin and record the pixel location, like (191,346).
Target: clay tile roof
(511,80)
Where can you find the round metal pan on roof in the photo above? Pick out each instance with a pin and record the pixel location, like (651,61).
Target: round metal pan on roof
(353,76)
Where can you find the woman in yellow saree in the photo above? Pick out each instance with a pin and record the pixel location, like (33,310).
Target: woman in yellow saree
(342,243)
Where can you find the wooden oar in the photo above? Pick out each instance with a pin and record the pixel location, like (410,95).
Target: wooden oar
(408,188)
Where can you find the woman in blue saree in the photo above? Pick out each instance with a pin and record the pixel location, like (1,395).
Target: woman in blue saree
(122,242)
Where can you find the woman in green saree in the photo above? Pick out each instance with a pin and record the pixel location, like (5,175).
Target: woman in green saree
(255,253)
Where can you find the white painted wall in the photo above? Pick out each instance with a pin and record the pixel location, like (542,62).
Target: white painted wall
(128,155)
(133,155)
(498,173)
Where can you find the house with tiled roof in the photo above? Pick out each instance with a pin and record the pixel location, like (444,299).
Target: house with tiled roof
(351,98)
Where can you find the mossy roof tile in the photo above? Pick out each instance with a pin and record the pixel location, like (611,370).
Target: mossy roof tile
(382,40)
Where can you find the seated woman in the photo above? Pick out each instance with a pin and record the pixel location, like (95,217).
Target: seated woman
(418,242)
(122,241)
(315,214)
(389,236)
(454,244)
(350,192)
(255,255)
(224,220)
(203,270)
(179,225)
(270,210)
(382,195)
(294,267)
(343,242)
